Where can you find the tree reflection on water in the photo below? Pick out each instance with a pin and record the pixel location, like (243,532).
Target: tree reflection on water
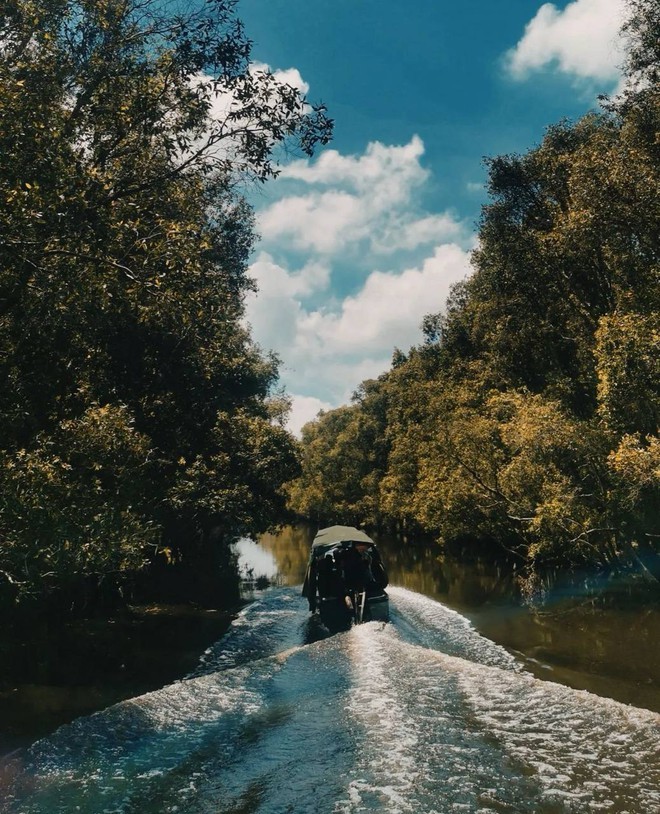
(418,567)
(588,631)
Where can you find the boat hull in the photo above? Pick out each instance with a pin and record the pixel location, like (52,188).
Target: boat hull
(336,615)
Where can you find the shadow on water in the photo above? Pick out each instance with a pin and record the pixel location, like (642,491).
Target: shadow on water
(315,631)
(51,675)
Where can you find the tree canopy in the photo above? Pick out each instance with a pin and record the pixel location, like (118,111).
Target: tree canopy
(528,418)
(138,415)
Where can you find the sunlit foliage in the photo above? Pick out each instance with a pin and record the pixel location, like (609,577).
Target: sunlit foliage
(528,419)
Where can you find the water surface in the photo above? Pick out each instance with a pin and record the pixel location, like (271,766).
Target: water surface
(421,715)
(590,631)
(425,714)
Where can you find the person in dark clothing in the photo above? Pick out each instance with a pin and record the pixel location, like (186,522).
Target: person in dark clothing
(309,586)
(349,567)
(363,569)
(329,575)
(325,576)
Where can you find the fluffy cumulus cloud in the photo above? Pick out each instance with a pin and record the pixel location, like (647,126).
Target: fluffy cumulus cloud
(288,76)
(388,309)
(304,409)
(581,40)
(276,312)
(327,351)
(347,200)
(350,263)
(396,166)
(321,222)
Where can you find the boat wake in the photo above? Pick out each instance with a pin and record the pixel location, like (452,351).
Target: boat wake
(421,715)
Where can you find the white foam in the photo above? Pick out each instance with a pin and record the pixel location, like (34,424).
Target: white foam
(471,737)
(391,771)
(432,624)
(423,715)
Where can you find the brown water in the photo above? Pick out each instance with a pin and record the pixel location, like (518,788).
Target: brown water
(48,678)
(585,631)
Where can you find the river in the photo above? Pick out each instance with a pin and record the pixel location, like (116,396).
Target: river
(426,714)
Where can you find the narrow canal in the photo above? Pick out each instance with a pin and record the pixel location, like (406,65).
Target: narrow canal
(458,705)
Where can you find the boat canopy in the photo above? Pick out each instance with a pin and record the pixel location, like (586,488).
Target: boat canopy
(334,535)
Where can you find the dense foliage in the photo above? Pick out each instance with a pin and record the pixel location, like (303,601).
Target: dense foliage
(138,417)
(528,419)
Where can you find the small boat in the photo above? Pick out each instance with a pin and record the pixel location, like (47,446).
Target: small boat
(346,579)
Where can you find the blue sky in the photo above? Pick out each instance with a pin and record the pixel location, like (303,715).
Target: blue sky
(362,241)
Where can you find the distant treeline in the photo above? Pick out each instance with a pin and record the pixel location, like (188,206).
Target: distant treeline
(140,425)
(528,417)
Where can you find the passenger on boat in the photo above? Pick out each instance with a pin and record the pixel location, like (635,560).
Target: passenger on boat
(330,578)
(324,576)
(363,569)
(343,569)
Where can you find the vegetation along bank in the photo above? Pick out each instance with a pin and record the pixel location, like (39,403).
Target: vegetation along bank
(527,419)
(140,429)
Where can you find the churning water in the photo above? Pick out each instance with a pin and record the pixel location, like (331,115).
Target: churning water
(421,715)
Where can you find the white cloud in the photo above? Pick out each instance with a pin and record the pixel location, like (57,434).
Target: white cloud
(398,165)
(289,76)
(349,199)
(343,215)
(390,306)
(328,352)
(312,277)
(475,187)
(304,409)
(581,40)
(277,310)
(321,222)
(431,230)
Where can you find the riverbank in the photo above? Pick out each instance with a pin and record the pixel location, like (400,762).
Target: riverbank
(56,673)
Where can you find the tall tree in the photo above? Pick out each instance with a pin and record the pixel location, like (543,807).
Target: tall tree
(136,408)
(529,416)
